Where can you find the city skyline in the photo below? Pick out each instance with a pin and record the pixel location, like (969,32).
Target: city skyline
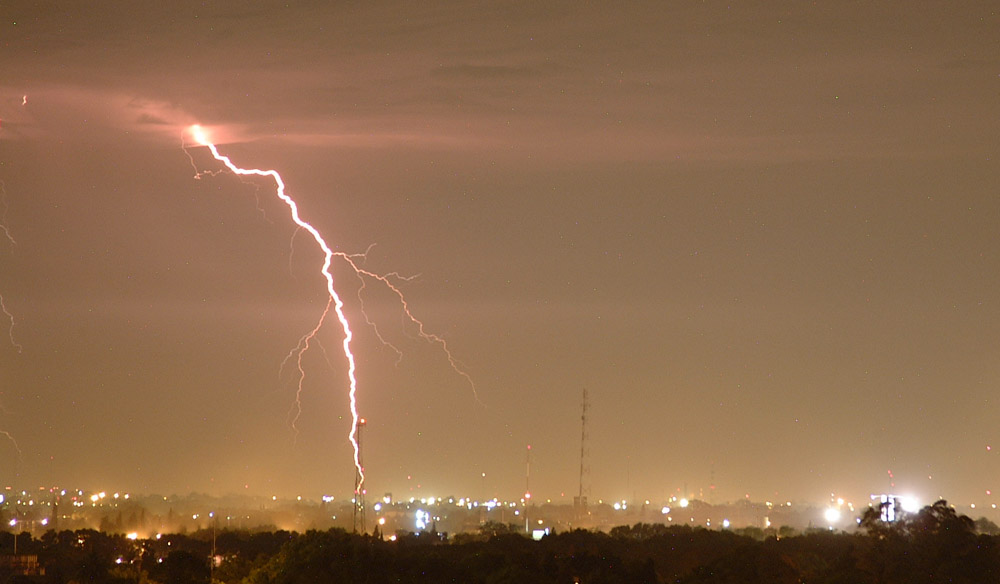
(761,237)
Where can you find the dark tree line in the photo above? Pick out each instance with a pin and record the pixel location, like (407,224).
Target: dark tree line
(931,546)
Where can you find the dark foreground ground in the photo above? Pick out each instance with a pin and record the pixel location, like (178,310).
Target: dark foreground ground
(932,546)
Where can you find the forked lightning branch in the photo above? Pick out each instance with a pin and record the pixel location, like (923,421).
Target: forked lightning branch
(200,137)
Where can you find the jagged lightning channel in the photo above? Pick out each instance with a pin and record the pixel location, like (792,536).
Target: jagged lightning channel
(334,299)
(338,305)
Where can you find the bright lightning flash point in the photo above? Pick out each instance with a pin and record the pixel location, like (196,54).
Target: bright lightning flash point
(200,137)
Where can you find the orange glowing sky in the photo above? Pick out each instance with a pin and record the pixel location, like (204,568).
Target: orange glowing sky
(762,236)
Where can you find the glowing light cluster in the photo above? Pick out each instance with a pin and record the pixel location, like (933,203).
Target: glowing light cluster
(422,518)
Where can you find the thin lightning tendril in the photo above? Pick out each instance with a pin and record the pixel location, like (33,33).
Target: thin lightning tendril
(10,329)
(351,259)
(3,306)
(368,321)
(421,332)
(3,215)
(6,434)
(355,262)
(10,238)
(297,352)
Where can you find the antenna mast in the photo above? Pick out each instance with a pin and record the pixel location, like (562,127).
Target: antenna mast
(580,501)
(359,489)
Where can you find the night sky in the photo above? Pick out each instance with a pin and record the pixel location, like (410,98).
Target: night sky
(762,236)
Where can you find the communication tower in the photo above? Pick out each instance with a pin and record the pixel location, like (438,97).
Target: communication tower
(527,488)
(580,501)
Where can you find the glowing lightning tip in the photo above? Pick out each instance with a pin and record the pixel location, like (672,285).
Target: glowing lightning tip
(199,135)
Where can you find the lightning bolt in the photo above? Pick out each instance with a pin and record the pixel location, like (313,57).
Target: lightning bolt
(355,262)
(3,306)
(10,239)
(7,435)
(421,331)
(10,329)
(338,305)
(3,215)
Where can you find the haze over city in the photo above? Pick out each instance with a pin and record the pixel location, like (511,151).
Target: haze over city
(761,236)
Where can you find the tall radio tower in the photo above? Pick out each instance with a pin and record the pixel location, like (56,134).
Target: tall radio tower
(527,487)
(580,501)
(359,488)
